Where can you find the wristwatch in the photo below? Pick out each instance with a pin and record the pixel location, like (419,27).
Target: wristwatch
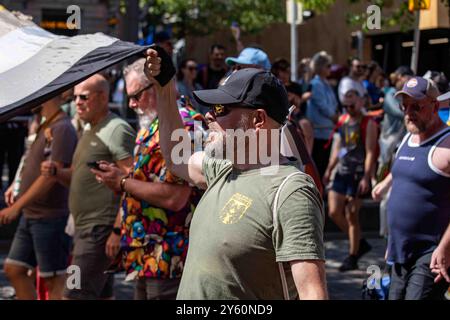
(116,231)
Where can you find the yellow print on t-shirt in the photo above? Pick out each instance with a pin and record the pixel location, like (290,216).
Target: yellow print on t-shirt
(235,208)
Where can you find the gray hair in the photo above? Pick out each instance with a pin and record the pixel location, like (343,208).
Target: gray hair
(137,68)
(319,61)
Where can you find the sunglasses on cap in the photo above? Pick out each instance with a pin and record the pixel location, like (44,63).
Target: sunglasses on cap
(137,96)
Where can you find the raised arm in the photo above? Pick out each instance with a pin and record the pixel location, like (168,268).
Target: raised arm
(170,123)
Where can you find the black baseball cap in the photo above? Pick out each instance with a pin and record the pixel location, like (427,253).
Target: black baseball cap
(252,88)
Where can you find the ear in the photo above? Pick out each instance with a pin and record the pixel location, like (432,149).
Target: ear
(260,118)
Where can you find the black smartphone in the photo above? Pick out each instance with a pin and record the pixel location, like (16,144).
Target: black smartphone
(94,165)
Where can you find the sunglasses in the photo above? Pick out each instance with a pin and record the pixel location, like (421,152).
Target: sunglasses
(83,97)
(137,96)
(191,68)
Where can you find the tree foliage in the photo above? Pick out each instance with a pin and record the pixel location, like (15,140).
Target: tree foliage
(203,17)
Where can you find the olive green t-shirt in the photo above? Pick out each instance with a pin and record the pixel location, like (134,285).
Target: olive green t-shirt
(92,203)
(233,246)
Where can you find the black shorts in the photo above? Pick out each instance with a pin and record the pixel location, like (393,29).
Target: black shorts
(89,257)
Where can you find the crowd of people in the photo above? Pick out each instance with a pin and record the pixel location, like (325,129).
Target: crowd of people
(93,192)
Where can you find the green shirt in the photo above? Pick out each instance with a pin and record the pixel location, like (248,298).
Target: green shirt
(92,203)
(233,247)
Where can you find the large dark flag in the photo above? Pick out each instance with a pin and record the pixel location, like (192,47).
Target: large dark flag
(36,65)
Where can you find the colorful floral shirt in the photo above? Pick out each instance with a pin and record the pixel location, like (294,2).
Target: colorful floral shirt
(154,240)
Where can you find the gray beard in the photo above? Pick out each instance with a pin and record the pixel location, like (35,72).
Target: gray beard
(145,118)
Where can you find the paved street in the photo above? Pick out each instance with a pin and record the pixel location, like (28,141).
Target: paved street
(340,285)
(348,285)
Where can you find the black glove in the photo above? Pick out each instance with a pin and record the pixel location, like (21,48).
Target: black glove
(167,68)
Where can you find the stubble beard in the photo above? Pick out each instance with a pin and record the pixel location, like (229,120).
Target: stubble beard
(216,148)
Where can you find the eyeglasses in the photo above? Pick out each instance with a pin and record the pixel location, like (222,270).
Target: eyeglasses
(83,97)
(137,96)
(192,68)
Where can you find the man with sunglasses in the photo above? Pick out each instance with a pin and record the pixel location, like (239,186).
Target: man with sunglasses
(235,250)
(94,206)
(419,205)
(157,206)
(353,153)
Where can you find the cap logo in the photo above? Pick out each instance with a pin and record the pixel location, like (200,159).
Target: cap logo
(412,83)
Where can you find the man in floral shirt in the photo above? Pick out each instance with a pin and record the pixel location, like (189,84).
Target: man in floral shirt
(157,206)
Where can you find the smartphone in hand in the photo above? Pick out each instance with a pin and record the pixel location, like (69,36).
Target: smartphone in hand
(94,165)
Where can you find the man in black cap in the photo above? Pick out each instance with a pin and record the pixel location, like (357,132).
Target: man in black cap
(254,235)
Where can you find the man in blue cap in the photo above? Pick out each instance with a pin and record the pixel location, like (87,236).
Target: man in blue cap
(250,58)
(419,205)
(254,235)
